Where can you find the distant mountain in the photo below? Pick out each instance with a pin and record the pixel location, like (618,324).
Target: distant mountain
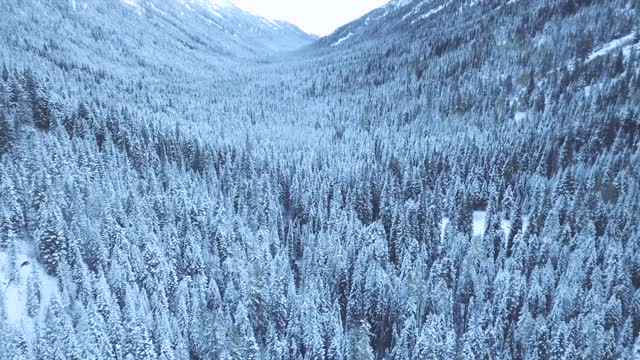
(228,20)
(429,20)
(398,15)
(410,18)
(122,29)
(445,40)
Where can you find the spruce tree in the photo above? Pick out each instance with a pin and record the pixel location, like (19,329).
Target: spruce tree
(51,243)
(7,134)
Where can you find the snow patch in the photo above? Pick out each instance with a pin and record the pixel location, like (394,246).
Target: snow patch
(480,224)
(416,10)
(343,39)
(270,22)
(14,288)
(625,41)
(400,3)
(443,225)
(506,225)
(521,116)
(155,8)
(626,51)
(431,12)
(131,3)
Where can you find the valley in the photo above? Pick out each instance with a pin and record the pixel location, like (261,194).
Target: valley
(438,179)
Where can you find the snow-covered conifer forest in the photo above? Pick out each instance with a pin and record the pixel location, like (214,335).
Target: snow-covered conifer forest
(440,179)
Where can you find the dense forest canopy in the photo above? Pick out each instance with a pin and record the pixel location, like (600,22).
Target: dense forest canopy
(453,180)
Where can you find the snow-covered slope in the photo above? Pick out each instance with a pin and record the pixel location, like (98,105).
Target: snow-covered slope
(394,15)
(413,18)
(23,285)
(232,20)
(625,43)
(217,27)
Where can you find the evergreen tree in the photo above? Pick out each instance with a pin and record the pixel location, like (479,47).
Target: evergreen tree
(33,293)
(7,134)
(51,241)
(360,347)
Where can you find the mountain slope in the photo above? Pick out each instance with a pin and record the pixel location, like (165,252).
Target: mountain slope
(460,187)
(429,20)
(119,30)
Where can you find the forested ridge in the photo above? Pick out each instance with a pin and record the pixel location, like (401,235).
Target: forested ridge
(460,183)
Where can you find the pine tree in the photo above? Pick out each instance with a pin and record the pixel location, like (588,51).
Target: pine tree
(33,293)
(15,94)
(516,228)
(5,73)
(363,204)
(41,110)
(190,259)
(584,43)
(97,332)
(464,216)
(51,241)
(360,347)
(335,349)
(7,134)
(56,340)
(636,348)
(245,345)
(617,67)
(312,334)
(567,185)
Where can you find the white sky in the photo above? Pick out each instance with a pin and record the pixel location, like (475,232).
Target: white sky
(319,17)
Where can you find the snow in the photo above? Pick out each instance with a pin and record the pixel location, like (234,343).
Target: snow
(343,39)
(155,8)
(434,11)
(480,224)
(212,22)
(270,22)
(625,41)
(431,12)
(506,225)
(400,3)
(221,3)
(626,51)
(15,291)
(520,116)
(415,10)
(443,225)
(131,3)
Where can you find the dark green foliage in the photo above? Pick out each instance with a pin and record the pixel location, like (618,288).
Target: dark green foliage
(7,134)
(51,243)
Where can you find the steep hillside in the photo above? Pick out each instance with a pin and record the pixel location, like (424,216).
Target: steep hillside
(132,31)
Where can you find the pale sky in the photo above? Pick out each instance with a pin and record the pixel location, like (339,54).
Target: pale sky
(319,17)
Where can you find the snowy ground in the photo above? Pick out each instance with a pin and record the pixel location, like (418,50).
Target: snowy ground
(341,40)
(625,42)
(14,292)
(480,223)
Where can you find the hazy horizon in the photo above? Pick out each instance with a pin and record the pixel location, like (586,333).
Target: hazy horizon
(312,16)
